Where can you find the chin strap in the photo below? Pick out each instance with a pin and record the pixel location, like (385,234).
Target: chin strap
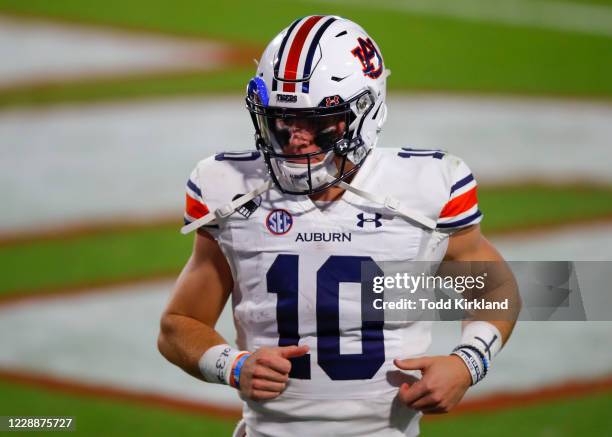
(391,204)
(228,209)
(388,202)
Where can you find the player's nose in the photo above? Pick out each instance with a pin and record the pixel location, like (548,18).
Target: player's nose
(300,138)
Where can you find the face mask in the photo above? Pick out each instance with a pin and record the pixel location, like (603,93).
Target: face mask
(295,176)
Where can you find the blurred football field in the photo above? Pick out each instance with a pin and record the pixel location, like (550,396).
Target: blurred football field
(110,254)
(99,416)
(426,52)
(429,52)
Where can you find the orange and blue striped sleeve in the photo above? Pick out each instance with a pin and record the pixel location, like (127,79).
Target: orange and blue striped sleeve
(461,209)
(195,207)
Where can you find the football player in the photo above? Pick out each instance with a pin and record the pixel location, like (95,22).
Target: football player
(284,229)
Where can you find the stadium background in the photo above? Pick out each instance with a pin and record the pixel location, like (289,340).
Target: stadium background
(104,109)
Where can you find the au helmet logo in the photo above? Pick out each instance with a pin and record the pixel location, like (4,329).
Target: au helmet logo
(366,52)
(375,220)
(279,222)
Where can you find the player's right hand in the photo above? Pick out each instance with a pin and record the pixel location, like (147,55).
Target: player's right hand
(265,373)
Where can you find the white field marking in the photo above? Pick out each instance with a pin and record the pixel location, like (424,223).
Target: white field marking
(589,246)
(575,243)
(41,52)
(109,338)
(62,165)
(554,15)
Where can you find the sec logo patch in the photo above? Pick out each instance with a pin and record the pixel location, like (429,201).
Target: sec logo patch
(279,222)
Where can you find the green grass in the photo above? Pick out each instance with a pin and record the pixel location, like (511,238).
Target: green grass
(106,417)
(563,418)
(424,52)
(46,266)
(585,2)
(507,208)
(107,256)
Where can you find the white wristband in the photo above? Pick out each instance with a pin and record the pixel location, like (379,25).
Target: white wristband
(484,336)
(480,342)
(218,364)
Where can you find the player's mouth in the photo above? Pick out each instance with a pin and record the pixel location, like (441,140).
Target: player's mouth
(302,150)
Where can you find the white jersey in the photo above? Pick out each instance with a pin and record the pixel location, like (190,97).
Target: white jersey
(296,270)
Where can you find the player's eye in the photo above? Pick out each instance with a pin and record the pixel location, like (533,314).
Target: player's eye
(327,137)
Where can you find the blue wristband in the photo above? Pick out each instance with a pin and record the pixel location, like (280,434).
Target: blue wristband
(238,367)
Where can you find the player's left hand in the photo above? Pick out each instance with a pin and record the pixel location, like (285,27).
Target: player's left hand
(445,380)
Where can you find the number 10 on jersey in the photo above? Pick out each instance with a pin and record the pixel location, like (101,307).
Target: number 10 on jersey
(282,279)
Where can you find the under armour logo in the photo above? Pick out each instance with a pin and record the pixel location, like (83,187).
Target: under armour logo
(375,220)
(341,147)
(332,101)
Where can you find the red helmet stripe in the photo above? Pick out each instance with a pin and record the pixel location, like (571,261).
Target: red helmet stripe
(281,50)
(293,58)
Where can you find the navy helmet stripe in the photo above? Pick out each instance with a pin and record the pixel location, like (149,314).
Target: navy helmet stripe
(312,50)
(281,51)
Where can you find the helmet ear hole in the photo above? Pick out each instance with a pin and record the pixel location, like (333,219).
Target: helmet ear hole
(362,103)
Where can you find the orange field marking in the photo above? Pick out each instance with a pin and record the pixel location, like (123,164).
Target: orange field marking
(493,402)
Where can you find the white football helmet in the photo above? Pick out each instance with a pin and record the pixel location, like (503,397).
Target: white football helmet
(325,73)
